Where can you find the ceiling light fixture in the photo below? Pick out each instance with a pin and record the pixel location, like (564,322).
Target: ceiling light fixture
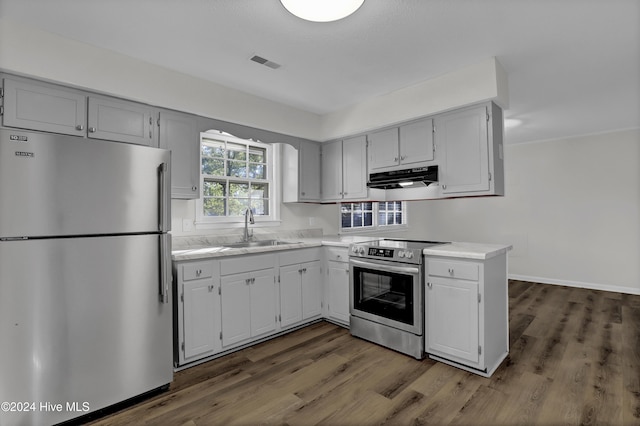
(322,10)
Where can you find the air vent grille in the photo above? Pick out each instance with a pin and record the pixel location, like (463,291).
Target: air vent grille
(262,61)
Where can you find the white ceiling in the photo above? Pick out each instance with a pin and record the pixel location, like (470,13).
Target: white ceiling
(573,65)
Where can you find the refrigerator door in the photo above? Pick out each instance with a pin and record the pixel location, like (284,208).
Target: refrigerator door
(53,185)
(82,324)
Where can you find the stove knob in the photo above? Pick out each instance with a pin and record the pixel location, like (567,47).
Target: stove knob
(361,250)
(409,255)
(354,249)
(401,254)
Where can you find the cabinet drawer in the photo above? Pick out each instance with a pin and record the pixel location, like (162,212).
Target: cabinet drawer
(337,254)
(197,271)
(294,257)
(247,263)
(461,270)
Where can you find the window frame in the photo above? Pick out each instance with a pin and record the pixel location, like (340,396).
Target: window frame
(214,222)
(375,227)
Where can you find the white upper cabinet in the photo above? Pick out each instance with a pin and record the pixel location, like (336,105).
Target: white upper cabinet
(354,168)
(416,143)
(121,121)
(332,171)
(344,170)
(178,133)
(410,145)
(301,172)
(383,150)
(34,105)
(471,141)
(44,107)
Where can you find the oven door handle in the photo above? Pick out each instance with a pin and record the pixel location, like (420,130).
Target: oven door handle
(390,268)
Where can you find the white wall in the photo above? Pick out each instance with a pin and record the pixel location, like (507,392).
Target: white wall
(35,53)
(475,83)
(571,211)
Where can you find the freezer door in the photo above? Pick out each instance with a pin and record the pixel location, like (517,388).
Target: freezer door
(53,185)
(82,324)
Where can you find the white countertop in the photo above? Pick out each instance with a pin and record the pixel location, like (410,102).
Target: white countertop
(455,249)
(467,250)
(218,250)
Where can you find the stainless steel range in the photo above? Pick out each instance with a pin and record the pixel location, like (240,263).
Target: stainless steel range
(386,293)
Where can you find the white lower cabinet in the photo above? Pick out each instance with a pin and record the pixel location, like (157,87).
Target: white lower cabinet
(337,286)
(228,303)
(300,287)
(466,313)
(248,300)
(197,327)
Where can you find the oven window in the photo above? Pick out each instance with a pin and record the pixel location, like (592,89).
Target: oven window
(386,294)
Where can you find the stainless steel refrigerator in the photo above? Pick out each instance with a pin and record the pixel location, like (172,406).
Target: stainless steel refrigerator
(85,271)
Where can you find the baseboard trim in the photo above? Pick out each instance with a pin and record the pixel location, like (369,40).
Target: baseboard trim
(579,284)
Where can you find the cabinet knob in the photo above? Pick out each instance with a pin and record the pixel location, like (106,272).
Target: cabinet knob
(450,271)
(395,158)
(194,188)
(402,157)
(429,285)
(444,186)
(92,129)
(79,127)
(303,193)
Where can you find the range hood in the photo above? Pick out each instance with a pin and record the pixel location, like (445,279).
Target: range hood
(406,178)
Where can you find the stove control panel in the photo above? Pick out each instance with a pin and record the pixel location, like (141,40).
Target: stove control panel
(380,252)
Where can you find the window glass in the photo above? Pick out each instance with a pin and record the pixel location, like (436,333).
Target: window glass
(235,176)
(372,215)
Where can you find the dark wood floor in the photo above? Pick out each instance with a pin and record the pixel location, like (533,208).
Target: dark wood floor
(574,360)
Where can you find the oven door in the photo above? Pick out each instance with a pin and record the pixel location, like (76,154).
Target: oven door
(387,293)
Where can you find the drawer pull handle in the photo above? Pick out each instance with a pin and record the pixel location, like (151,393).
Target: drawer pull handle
(450,271)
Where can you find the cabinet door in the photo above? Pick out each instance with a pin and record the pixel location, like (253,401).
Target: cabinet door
(178,134)
(309,171)
(311,290)
(39,106)
(332,171)
(464,139)
(416,142)
(338,292)
(452,318)
(199,318)
(290,295)
(121,121)
(263,302)
(236,308)
(354,168)
(383,149)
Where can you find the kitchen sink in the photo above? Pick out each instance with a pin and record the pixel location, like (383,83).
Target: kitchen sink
(263,243)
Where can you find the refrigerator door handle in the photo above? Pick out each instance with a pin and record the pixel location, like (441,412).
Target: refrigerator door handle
(165,267)
(163,197)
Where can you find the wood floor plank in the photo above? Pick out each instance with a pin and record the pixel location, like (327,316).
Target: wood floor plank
(631,361)
(574,359)
(522,404)
(443,406)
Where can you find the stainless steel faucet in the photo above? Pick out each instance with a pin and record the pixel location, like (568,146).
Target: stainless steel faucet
(248,217)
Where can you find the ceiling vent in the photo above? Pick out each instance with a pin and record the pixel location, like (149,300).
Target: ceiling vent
(265,62)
